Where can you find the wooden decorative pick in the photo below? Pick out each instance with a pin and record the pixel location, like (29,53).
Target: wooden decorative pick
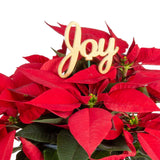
(78,47)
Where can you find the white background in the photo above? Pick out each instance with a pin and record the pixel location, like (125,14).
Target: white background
(23,31)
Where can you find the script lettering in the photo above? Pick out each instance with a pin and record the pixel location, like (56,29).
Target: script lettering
(78,47)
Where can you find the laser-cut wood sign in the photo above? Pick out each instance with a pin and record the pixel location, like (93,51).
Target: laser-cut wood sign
(78,47)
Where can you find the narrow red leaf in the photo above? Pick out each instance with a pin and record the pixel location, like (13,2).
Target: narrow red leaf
(62,114)
(132,55)
(65,126)
(6,146)
(83,88)
(154,90)
(5,82)
(56,99)
(28,113)
(86,33)
(123,45)
(31,151)
(130,100)
(64,48)
(42,77)
(102,86)
(53,64)
(154,132)
(18,76)
(6,96)
(145,77)
(126,85)
(57,29)
(150,144)
(31,89)
(150,56)
(131,46)
(92,130)
(8,108)
(153,123)
(36,59)
(91,75)
(46,78)
(116,130)
(148,120)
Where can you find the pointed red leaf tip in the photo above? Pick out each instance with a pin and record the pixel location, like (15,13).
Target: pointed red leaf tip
(118,42)
(150,144)
(87,33)
(6,146)
(154,132)
(20,79)
(91,75)
(90,131)
(44,78)
(130,100)
(8,108)
(56,99)
(36,59)
(63,50)
(57,29)
(5,82)
(154,90)
(147,120)
(125,85)
(53,64)
(150,56)
(131,46)
(31,90)
(31,151)
(133,54)
(28,113)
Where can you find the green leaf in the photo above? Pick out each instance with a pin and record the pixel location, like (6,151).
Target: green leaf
(110,85)
(119,144)
(13,126)
(138,157)
(80,65)
(21,156)
(68,148)
(58,53)
(18,125)
(100,154)
(142,155)
(39,132)
(144,90)
(15,149)
(50,154)
(51,120)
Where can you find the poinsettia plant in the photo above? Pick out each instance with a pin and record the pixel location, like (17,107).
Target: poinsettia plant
(88,115)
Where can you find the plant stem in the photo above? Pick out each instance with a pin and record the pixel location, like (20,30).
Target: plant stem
(89,64)
(124,73)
